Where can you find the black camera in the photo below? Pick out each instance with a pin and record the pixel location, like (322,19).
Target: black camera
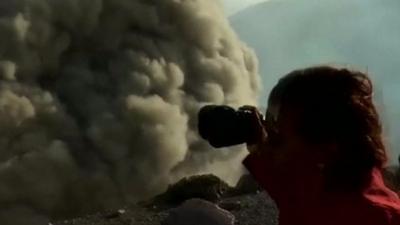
(223,126)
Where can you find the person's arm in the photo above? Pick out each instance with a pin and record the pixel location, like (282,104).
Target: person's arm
(262,164)
(273,181)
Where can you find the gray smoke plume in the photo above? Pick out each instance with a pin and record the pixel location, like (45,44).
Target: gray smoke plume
(98,100)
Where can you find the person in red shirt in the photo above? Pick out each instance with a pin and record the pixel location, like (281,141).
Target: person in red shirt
(319,152)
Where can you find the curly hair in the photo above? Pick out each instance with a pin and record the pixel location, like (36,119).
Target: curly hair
(336,105)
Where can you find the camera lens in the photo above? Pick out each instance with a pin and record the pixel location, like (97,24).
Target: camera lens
(223,126)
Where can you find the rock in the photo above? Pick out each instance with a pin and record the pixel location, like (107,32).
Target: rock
(115,214)
(246,185)
(199,212)
(230,205)
(207,187)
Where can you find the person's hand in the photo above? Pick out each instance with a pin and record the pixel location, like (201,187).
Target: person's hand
(260,134)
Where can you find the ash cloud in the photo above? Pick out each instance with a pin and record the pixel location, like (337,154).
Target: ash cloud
(98,100)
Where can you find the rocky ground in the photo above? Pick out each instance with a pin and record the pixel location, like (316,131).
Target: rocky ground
(248,205)
(246,202)
(250,209)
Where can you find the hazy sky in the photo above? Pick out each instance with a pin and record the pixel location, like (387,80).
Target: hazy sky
(233,6)
(360,34)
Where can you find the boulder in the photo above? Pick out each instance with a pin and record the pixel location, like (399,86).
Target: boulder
(206,187)
(199,212)
(246,185)
(230,205)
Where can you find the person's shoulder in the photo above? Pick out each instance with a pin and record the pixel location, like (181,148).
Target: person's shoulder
(366,211)
(384,208)
(395,220)
(388,214)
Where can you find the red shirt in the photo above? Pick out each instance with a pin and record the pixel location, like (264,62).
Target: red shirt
(301,200)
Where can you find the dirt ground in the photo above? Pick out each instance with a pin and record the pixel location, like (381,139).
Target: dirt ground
(251,209)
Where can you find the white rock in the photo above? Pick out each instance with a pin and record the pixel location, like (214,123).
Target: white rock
(199,212)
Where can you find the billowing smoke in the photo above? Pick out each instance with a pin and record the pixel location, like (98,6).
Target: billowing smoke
(98,100)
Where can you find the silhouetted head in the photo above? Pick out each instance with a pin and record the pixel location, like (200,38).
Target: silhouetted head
(327,114)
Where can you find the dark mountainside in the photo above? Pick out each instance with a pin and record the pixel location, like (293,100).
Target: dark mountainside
(363,34)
